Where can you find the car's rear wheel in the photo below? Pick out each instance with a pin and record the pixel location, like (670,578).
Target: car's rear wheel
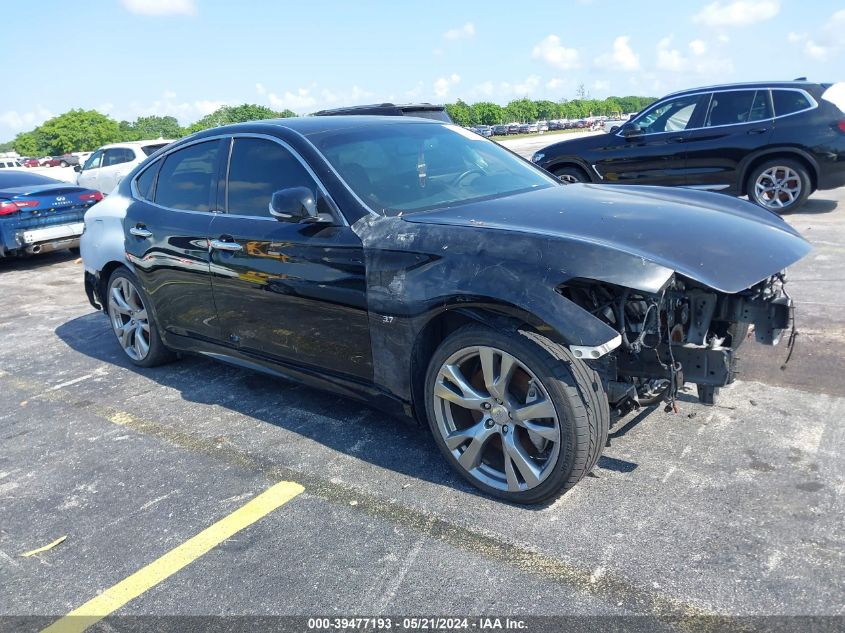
(63,164)
(571,175)
(780,185)
(132,321)
(515,414)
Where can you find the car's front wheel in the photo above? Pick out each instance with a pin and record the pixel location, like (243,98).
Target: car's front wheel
(132,321)
(780,185)
(514,413)
(570,175)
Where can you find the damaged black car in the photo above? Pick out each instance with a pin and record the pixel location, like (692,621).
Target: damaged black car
(435,274)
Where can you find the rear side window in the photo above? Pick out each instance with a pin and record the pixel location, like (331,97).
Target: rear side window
(117,156)
(738,106)
(186,179)
(146,181)
(789,101)
(258,168)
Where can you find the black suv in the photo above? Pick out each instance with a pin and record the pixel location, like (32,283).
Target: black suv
(421,110)
(776,142)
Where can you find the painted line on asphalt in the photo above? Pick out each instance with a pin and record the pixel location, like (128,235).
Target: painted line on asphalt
(182,555)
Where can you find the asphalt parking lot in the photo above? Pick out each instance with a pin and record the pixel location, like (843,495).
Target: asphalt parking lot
(735,509)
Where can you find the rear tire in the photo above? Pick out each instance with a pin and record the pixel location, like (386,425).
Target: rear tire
(780,185)
(536,418)
(128,309)
(570,175)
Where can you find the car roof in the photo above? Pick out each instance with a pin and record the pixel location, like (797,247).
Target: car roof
(385,108)
(799,84)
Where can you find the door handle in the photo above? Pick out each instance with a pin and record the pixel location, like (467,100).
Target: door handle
(221,245)
(758,130)
(139,230)
(677,139)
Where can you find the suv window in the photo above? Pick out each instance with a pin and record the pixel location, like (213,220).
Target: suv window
(117,155)
(738,106)
(187,177)
(149,149)
(670,116)
(93,161)
(258,168)
(789,101)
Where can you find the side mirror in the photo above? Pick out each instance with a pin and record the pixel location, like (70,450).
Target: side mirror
(296,204)
(77,168)
(631,130)
(613,129)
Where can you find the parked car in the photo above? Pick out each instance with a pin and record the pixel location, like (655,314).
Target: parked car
(31,162)
(500,130)
(484,130)
(524,128)
(513,128)
(542,126)
(431,272)
(108,165)
(10,163)
(40,214)
(776,142)
(422,110)
(66,160)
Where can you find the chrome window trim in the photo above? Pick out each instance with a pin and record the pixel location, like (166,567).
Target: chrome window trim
(231,136)
(813,104)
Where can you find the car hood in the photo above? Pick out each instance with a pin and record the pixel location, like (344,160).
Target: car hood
(721,242)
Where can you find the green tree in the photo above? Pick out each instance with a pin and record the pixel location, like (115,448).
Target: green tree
(460,113)
(25,144)
(151,127)
(487,113)
(237,114)
(547,110)
(522,110)
(76,131)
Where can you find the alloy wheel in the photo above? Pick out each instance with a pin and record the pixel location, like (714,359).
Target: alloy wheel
(496,418)
(129,319)
(777,187)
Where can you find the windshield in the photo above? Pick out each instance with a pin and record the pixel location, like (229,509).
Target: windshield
(417,166)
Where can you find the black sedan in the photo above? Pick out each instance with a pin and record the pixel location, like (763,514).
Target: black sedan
(775,142)
(433,273)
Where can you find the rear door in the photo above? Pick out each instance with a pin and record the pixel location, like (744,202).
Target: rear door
(167,229)
(289,291)
(656,155)
(735,124)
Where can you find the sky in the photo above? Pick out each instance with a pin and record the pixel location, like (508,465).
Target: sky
(186,58)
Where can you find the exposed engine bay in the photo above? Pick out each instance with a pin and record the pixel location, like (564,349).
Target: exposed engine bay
(687,333)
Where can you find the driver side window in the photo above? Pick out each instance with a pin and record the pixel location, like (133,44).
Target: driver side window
(673,115)
(93,161)
(258,168)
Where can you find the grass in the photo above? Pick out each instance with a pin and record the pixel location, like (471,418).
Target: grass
(505,137)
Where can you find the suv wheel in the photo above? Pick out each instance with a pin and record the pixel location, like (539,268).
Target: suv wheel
(571,175)
(514,413)
(132,322)
(780,185)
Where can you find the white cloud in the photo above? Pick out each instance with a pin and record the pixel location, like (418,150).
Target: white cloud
(485,88)
(622,57)
(168,105)
(556,83)
(260,89)
(527,87)
(299,99)
(465,32)
(437,52)
(738,13)
(161,7)
(826,43)
(13,122)
(670,59)
(600,85)
(414,93)
(698,47)
(818,52)
(443,85)
(551,51)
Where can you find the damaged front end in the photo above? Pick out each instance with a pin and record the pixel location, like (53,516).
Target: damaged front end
(686,333)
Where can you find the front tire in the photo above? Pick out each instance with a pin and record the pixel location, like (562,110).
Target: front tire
(780,185)
(515,414)
(570,175)
(127,306)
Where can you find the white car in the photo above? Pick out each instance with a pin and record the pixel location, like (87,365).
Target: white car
(106,167)
(10,163)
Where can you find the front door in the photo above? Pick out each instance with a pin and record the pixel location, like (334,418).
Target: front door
(285,290)
(167,234)
(655,154)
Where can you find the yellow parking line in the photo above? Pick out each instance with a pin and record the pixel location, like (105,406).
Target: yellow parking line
(115,597)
